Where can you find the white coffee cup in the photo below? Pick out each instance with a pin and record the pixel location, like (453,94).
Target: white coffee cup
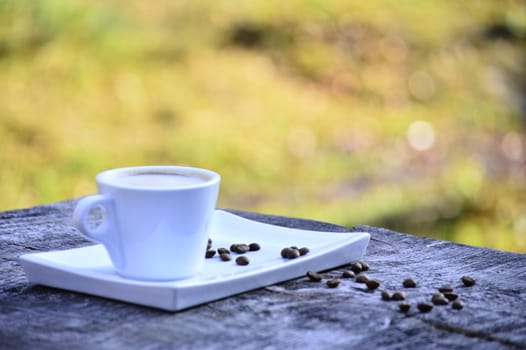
(156,219)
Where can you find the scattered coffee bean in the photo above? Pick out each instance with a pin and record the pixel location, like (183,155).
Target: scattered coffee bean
(209,244)
(409,283)
(290,253)
(424,307)
(468,281)
(457,304)
(386,296)
(333,283)
(439,299)
(223,251)
(451,296)
(356,267)
(362,278)
(314,276)
(304,250)
(446,288)
(239,248)
(254,247)
(242,260)
(225,257)
(398,296)
(365,266)
(404,306)
(210,253)
(372,284)
(348,274)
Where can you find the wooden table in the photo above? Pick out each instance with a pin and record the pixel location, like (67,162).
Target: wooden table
(292,315)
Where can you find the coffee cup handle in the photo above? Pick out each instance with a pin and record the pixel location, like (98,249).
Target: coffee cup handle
(105,232)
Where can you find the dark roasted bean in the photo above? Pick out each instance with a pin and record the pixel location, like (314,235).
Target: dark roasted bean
(451,296)
(285,252)
(210,253)
(372,284)
(404,306)
(333,283)
(409,283)
(290,253)
(304,250)
(446,288)
(365,266)
(398,296)
(314,276)
(356,267)
(242,260)
(225,257)
(348,274)
(239,248)
(223,251)
(457,304)
(439,299)
(209,244)
(362,278)
(254,247)
(386,296)
(468,281)
(424,307)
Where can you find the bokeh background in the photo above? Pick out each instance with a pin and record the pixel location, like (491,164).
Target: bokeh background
(403,114)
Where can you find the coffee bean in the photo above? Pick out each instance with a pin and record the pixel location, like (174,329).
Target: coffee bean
(468,281)
(225,257)
(386,296)
(314,276)
(254,247)
(210,253)
(446,288)
(333,283)
(362,278)
(242,248)
(365,266)
(242,260)
(296,249)
(372,284)
(451,296)
(239,248)
(409,283)
(439,299)
(424,307)
(398,296)
(304,250)
(209,244)
(290,253)
(457,305)
(348,274)
(404,306)
(223,251)
(356,267)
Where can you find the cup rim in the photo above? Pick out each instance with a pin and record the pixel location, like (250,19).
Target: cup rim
(105,177)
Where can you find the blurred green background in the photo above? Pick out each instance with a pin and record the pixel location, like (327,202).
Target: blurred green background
(403,114)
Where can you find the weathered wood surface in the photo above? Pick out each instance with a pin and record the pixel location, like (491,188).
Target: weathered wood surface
(292,315)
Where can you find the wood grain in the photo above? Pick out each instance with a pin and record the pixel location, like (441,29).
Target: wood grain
(293,314)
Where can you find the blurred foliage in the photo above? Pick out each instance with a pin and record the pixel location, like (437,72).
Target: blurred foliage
(403,114)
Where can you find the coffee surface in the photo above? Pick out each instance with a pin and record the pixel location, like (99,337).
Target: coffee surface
(158,180)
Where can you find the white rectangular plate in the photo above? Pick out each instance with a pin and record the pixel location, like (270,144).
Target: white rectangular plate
(89,270)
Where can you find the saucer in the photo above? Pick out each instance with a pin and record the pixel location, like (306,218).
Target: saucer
(89,269)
